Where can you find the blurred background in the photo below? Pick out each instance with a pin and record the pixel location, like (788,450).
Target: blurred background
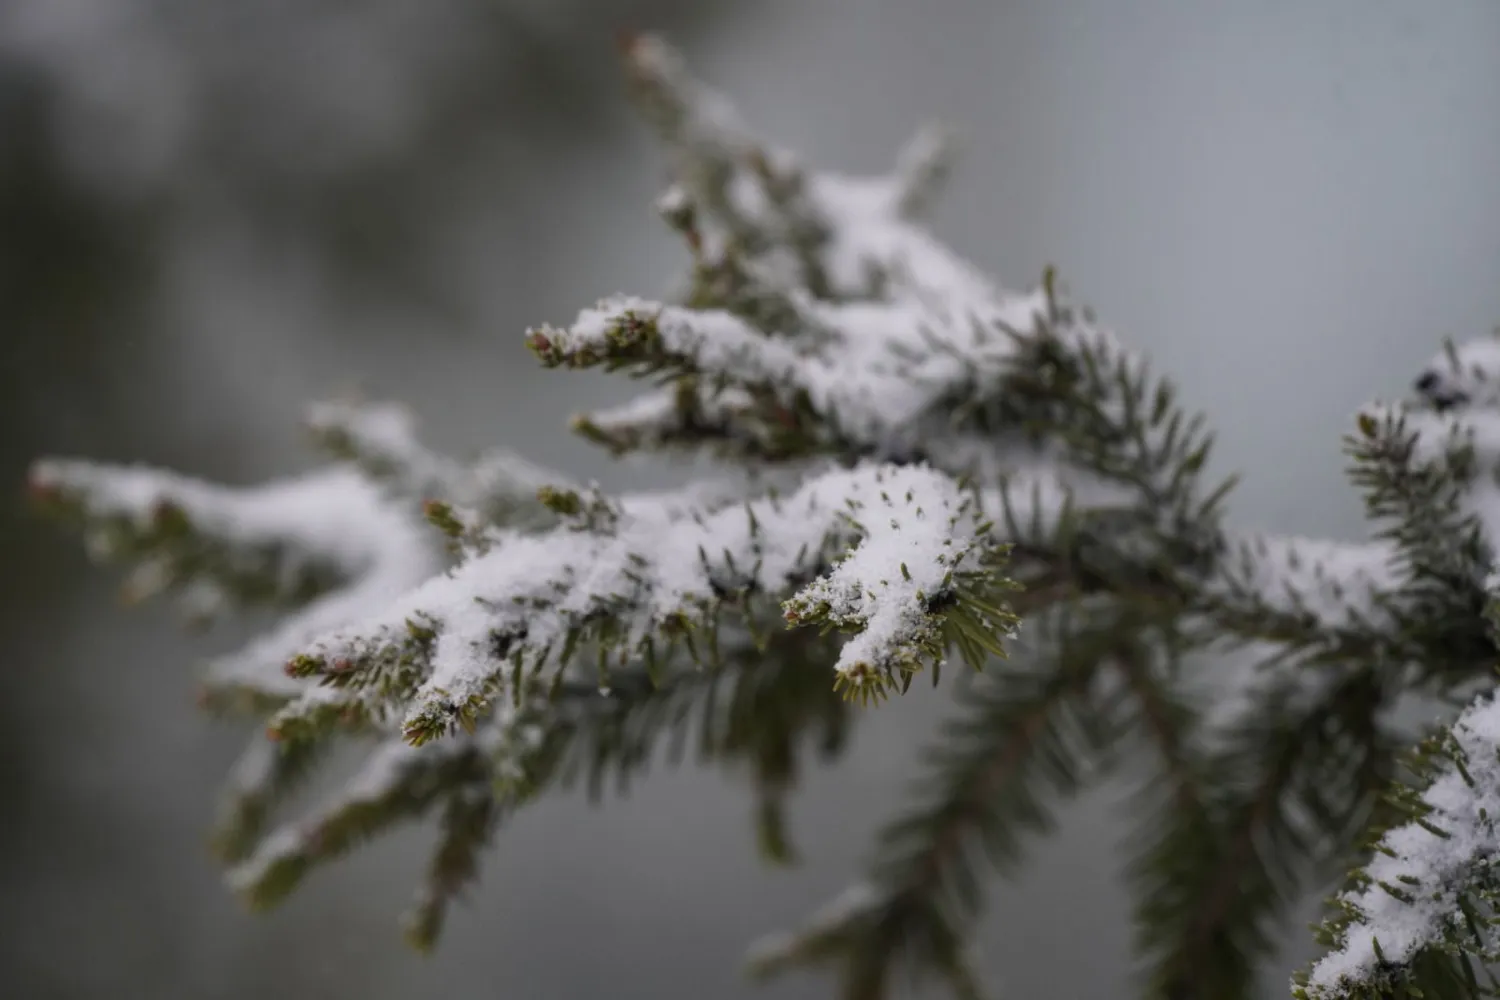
(211,212)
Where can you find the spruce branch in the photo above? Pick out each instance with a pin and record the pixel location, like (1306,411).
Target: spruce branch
(891,554)
(212,546)
(467,824)
(874,370)
(692,415)
(922,169)
(916,459)
(324,546)
(1305,594)
(381,440)
(1429,488)
(267,773)
(397,783)
(1417,919)
(764,706)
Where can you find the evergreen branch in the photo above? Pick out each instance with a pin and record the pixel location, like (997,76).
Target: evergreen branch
(758,707)
(1074,382)
(1416,471)
(764,700)
(651,337)
(597,735)
(1304,593)
(475,782)
(1418,919)
(756,288)
(381,440)
(267,773)
(326,544)
(318,711)
(1078,538)
(468,823)
(711,147)
(256,673)
(778,701)
(901,548)
(1183,867)
(872,373)
(397,783)
(882,290)
(692,415)
(281,544)
(1428,488)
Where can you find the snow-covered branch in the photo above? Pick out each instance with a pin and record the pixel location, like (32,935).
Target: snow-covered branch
(281,543)
(381,439)
(916,457)
(1428,895)
(883,551)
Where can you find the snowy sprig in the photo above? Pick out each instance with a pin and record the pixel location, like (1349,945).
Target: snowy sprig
(1423,908)
(1429,484)
(1288,587)
(283,543)
(876,369)
(398,782)
(381,439)
(1416,919)
(692,415)
(1314,745)
(898,545)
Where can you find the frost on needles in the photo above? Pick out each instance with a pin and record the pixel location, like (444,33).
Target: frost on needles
(911,461)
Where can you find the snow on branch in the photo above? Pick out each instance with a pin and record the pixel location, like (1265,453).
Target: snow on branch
(686,416)
(1430,486)
(327,546)
(875,370)
(853,233)
(397,782)
(1283,587)
(888,553)
(1455,444)
(280,543)
(1464,443)
(266,774)
(1463,375)
(381,439)
(874,323)
(1433,881)
(823,933)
